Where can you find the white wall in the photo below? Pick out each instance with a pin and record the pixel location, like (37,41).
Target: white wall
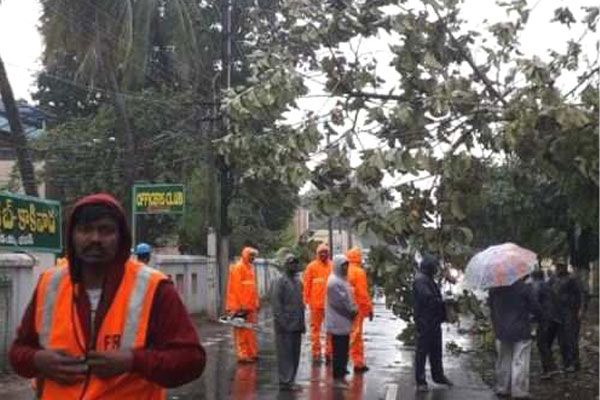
(19,269)
(195,278)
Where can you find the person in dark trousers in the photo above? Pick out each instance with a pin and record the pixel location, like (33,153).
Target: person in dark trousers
(429,313)
(288,315)
(339,313)
(511,309)
(567,289)
(550,325)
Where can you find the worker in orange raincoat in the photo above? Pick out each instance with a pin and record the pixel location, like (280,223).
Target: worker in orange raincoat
(315,288)
(357,279)
(242,301)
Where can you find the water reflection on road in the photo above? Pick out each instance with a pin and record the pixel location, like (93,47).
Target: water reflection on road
(390,362)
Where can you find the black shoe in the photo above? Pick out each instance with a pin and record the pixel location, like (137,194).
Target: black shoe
(444,381)
(363,368)
(422,387)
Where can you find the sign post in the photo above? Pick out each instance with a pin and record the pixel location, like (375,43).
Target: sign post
(156,199)
(30,223)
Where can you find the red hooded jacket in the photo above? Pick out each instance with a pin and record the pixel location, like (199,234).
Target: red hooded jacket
(173,355)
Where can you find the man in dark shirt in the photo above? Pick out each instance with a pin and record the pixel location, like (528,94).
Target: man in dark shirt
(511,308)
(429,314)
(567,289)
(550,324)
(288,314)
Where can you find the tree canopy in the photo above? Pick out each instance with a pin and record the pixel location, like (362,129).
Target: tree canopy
(438,114)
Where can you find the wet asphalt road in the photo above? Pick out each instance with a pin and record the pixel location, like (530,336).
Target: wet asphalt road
(390,376)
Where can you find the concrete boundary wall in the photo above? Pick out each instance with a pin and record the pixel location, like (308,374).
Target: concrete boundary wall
(266,273)
(195,278)
(17,268)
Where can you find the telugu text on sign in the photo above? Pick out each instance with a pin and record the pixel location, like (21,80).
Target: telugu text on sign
(30,222)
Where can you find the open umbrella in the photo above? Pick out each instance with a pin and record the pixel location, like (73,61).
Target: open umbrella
(500,265)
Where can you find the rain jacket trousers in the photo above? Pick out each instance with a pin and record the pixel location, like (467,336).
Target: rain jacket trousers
(242,297)
(357,279)
(315,288)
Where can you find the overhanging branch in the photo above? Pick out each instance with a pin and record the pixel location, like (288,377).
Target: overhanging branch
(378,96)
(466,54)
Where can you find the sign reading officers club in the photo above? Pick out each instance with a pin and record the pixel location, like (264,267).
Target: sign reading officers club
(30,223)
(158,199)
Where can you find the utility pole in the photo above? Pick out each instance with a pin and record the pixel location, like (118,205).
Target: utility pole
(330,220)
(223,189)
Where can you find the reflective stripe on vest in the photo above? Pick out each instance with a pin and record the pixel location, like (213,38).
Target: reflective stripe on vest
(124,326)
(48,297)
(132,323)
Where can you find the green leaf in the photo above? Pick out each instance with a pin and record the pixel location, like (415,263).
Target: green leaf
(572,118)
(431,61)
(362,228)
(564,16)
(456,206)
(467,234)
(591,19)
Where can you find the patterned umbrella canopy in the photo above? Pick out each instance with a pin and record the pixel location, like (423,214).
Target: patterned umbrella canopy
(500,265)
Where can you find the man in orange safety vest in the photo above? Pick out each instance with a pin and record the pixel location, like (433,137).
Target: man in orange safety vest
(101,325)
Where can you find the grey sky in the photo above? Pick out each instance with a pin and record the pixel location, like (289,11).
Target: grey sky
(21,46)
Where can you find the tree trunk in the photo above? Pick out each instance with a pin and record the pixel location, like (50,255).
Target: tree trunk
(24,161)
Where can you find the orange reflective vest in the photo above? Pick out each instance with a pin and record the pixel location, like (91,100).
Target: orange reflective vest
(124,327)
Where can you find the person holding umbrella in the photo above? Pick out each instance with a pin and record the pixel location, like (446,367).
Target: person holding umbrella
(503,270)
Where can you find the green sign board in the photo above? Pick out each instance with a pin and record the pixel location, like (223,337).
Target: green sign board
(30,223)
(158,199)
